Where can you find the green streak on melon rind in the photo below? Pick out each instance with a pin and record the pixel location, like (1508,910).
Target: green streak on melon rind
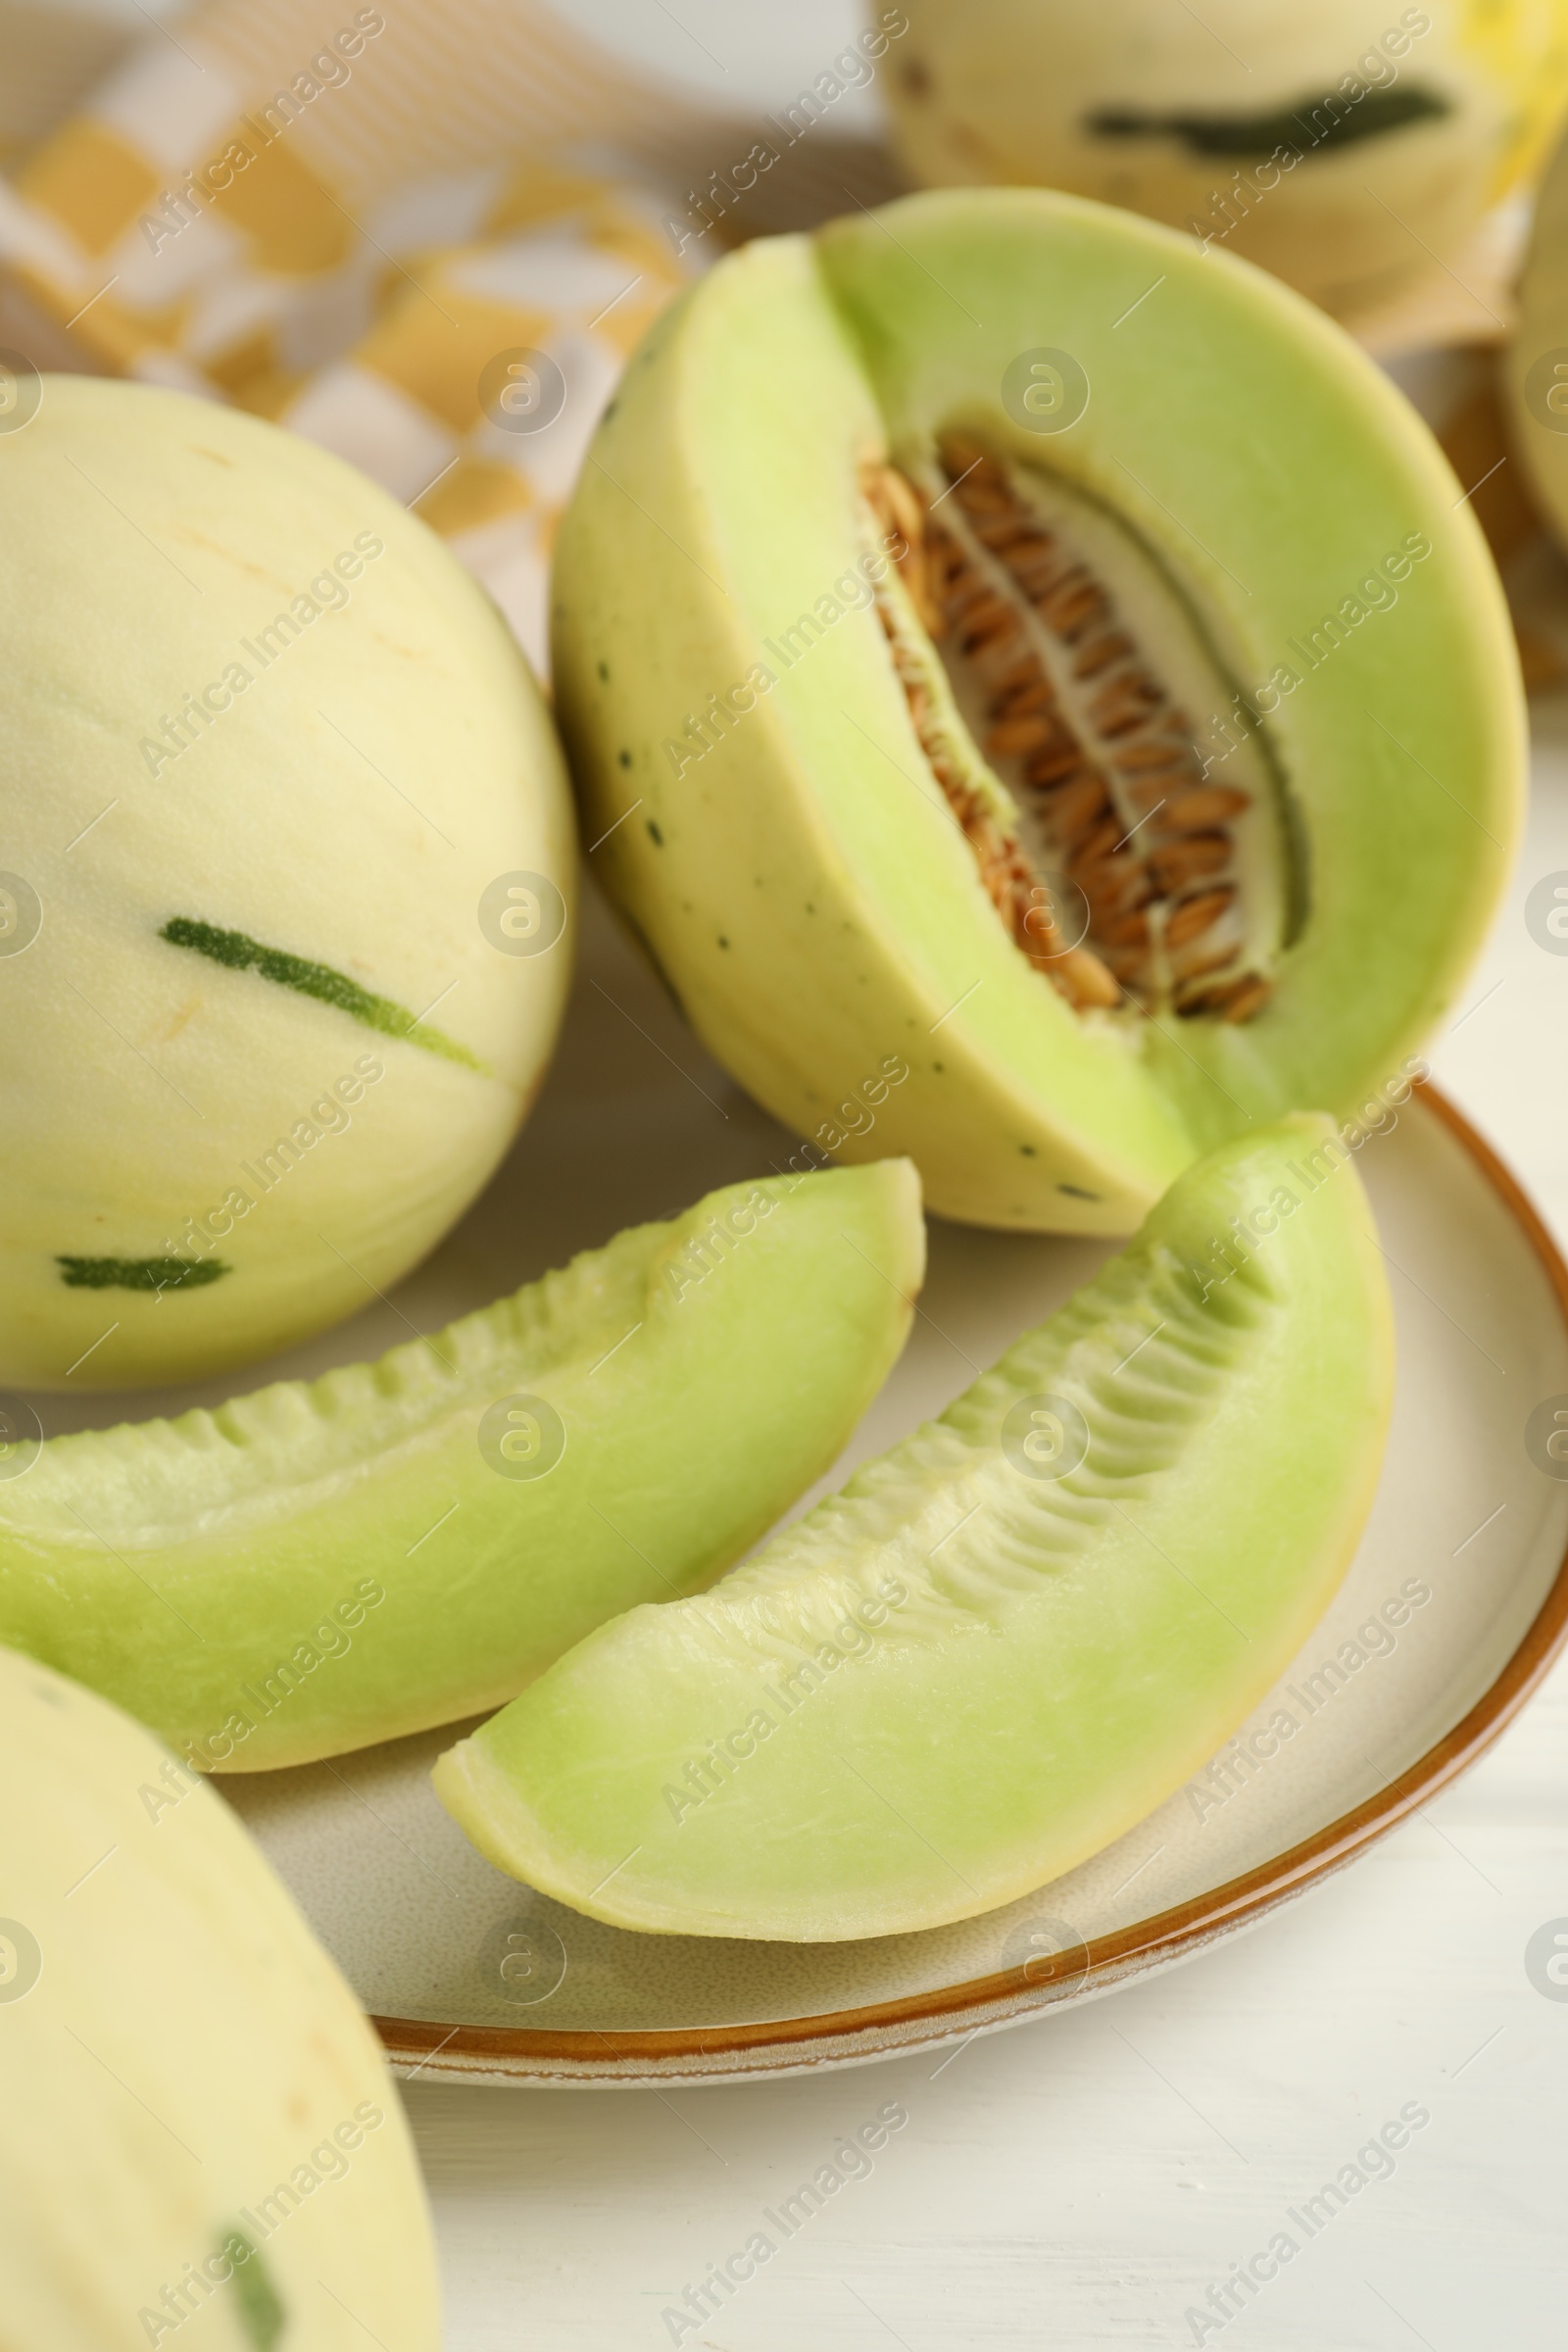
(139,1273)
(1371,116)
(242,953)
(261,2308)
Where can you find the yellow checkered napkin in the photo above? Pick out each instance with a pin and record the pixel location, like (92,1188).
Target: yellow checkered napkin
(423,232)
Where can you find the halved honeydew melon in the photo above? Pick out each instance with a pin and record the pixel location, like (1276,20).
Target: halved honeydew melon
(200,2131)
(1008,1639)
(1000,562)
(316,1567)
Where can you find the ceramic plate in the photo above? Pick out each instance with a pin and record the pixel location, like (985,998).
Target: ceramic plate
(1454,1606)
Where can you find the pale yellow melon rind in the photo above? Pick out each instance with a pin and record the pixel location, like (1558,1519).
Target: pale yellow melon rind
(186,2064)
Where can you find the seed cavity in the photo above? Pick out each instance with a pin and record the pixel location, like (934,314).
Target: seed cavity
(1054,720)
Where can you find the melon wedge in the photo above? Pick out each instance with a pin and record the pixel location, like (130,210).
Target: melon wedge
(318,1566)
(1008,1639)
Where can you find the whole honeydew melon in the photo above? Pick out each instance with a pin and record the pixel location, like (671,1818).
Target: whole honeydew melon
(288,874)
(1010,1638)
(1349,146)
(200,2133)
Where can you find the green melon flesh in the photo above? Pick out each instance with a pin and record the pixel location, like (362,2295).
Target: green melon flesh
(803,883)
(316,1567)
(956,1678)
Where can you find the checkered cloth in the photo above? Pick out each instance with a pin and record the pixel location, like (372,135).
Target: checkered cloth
(424,233)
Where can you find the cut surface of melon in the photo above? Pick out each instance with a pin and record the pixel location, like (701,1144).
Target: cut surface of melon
(321,1565)
(1001,635)
(1010,1638)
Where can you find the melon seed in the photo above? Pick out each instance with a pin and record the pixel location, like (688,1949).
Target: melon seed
(1096,753)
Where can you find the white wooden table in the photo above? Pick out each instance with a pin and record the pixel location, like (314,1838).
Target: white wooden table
(1086,2181)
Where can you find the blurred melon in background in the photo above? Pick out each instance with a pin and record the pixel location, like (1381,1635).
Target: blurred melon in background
(1537,359)
(1354,147)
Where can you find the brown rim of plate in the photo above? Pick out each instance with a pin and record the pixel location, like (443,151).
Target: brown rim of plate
(887,2029)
